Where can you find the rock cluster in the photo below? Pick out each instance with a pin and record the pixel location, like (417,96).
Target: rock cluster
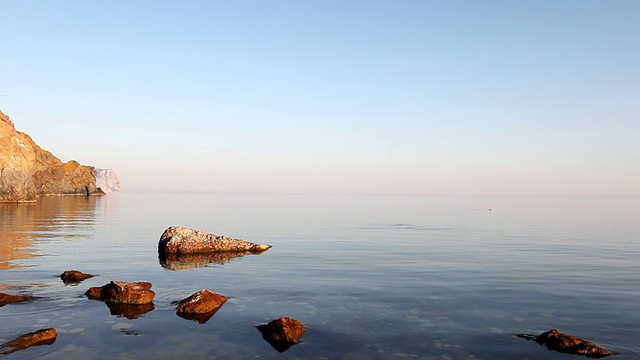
(27,171)
(181,240)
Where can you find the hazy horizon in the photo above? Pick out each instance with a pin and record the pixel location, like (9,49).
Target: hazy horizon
(492,98)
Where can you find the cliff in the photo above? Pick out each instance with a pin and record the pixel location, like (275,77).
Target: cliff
(107,180)
(27,170)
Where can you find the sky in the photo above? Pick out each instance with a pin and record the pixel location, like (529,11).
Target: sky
(497,98)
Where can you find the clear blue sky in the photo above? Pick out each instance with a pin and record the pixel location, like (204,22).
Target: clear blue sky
(386,97)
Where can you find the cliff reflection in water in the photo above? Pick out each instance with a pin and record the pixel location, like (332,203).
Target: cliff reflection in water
(190,261)
(22,225)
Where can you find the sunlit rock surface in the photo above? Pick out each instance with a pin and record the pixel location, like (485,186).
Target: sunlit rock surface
(181,240)
(122,292)
(26,170)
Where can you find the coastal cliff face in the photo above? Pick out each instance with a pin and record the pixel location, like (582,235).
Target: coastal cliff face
(107,180)
(27,170)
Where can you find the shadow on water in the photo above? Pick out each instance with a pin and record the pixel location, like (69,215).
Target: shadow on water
(190,261)
(23,224)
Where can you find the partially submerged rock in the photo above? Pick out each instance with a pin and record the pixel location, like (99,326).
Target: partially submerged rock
(36,338)
(200,306)
(181,240)
(121,292)
(190,261)
(282,333)
(564,343)
(9,299)
(74,276)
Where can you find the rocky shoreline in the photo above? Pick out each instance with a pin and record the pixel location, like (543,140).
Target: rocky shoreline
(27,171)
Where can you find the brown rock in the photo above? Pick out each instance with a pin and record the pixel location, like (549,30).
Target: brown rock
(181,240)
(121,292)
(26,170)
(282,333)
(200,306)
(9,299)
(36,338)
(74,276)
(555,340)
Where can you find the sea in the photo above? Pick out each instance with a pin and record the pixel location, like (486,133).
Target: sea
(369,277)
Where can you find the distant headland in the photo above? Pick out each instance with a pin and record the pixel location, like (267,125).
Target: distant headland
(28,171)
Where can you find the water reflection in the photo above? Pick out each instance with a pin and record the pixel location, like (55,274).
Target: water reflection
(21,224)
(130,311)
(190,261)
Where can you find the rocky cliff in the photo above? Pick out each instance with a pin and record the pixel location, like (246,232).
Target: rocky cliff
(107,180)
(26,170)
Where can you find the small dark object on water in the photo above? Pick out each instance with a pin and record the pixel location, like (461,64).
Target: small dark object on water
(36,338)
(9,299)
(564,343)
(74,276)
(282,333)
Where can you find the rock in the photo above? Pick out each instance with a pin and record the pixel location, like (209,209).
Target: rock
(282,333)
(564,343)
(9,299)
(181,240)
(36,338)
(190,261)
(107,180)
(74,276)
(121,292)
(200,306)
(16,186)
(26,170)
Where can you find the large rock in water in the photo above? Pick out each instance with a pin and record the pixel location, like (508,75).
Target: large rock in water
(107,180)
(26,170)
(182,240)
(282,333)
(122,292)
(200,306)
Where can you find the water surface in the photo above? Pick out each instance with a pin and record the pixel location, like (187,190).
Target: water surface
(370,277)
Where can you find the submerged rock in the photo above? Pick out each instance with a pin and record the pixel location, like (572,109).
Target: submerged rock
(190,261)
(36,338)
(121,292)
(282,333)
(557,341)
(74,276)
(200,306)
(181,240)
(9,299)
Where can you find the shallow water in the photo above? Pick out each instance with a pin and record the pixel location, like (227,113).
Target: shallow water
(370,277)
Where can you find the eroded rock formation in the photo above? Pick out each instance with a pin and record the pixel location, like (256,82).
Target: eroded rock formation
(26,170)
(181,240)
(107,180)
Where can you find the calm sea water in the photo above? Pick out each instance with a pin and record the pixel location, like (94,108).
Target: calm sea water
(369,277)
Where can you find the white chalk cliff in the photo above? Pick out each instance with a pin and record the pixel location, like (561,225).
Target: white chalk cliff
(107,180)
